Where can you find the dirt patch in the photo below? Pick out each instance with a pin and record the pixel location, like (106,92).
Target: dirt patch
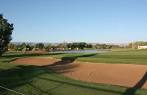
(116,74)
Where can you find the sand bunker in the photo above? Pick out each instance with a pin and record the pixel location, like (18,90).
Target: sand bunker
(37,61)
(129,75)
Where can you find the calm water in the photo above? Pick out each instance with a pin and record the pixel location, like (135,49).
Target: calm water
(82,51)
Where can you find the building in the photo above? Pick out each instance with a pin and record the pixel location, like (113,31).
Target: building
(142,47)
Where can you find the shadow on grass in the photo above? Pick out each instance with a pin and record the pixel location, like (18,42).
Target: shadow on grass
(27,55)
(8,60)
(18,76)
(24,75)
(140,83)
(76,84)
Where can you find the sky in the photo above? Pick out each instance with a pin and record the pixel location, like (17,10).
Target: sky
(95,21)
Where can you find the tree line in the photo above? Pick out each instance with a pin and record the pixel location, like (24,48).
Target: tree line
(58,47)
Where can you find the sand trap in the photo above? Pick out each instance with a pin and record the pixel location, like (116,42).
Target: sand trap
(116,74)
(37,61)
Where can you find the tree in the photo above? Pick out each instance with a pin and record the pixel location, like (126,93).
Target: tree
(29,47)
(12,46)
(39,46)
(22,46)
(62,46)
(6,30)
(89,46)
(48,47)
(82,45)
(69,45)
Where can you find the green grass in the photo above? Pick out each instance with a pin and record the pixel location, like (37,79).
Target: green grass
(126,57)
(33,80)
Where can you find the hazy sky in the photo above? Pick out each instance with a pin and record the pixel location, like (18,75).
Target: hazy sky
(114,21)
